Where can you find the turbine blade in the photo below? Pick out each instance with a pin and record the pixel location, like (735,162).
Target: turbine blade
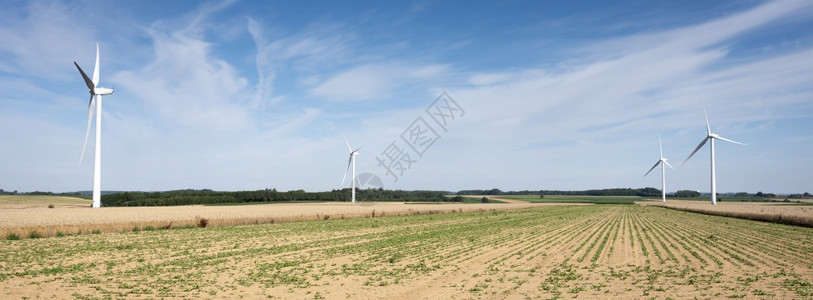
(730,141)
(348,168)
(357,149)
(348,145)
(695,150)
(96,69)
(668,165)
(653,167)
(91,110)
(660,146)
(706,115)
(88,82)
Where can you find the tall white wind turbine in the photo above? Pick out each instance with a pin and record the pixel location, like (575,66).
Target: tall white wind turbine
(710,138)
(95,103)
(663,164)
(351,161)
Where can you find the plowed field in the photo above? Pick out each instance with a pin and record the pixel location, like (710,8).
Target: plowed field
(598,251)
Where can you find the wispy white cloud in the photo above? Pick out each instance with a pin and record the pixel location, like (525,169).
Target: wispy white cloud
(186,85)
(639,86)
(39,41)
(265,72)
(376,81)
(707,34)
(314,48)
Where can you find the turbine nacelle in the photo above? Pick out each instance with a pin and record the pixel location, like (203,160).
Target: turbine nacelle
(102,91)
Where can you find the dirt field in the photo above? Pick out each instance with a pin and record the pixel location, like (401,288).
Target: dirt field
(596,251)
(780,212)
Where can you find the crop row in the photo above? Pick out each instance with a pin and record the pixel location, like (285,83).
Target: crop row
(592,251)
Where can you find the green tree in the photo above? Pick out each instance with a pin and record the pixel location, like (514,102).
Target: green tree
(687,194)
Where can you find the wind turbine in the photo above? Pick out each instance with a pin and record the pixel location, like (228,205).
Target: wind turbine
(95,103)
(710,138)
(663,163)
(352,161)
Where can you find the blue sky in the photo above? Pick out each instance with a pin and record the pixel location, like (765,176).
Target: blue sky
(570,95)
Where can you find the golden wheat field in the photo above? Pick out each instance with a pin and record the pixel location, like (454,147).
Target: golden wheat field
(778,212)
(539,252)
(22,217)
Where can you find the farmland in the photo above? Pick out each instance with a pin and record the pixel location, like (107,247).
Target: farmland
(573,199)
(800,214)
(596,251)
(69,220)
(8,201)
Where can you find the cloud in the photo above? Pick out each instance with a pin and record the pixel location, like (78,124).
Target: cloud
(375,81)
(646,75)
(187,86)
(597,114)
(361,83)
(265,72)
(316,47)
(490,78)
(706,34)
(39,42)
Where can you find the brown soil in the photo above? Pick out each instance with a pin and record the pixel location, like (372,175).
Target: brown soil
(601,251)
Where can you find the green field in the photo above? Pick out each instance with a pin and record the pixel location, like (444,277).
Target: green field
(575,199)
(597,251)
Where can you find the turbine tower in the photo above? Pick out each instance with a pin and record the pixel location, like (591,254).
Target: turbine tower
(352,161)
(95,103)
(710,137)
(663,164)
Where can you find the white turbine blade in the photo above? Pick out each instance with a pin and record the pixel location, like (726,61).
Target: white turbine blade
(348,145)
(91,109)
(348,168)
(695,150)
(708,128)
(668,165)
(96,69)
(730,141)
(653,167)
(660,146)
(357,149)
(88,82)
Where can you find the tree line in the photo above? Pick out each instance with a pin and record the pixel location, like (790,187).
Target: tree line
(192,197)
(38,193)
(206,196)
(641,192)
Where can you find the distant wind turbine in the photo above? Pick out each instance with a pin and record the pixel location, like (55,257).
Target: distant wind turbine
(351,161)
(710,138)
(95,104)
(663,164)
